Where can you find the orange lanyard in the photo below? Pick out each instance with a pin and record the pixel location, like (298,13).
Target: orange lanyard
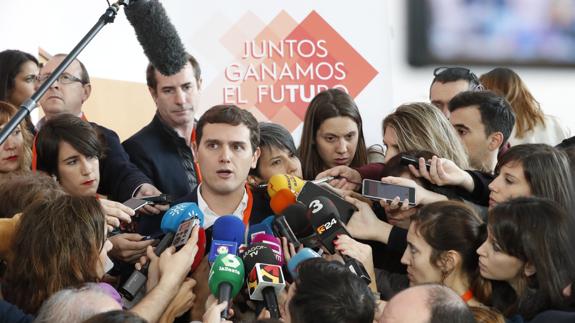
(467,296)
(248,209)
(196,165)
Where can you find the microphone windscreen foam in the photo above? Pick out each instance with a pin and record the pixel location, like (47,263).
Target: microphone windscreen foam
(157,35)
(264,227)
(283,181)
(295,216)
(179,213)
(258,253)
(281,200)
(229,228)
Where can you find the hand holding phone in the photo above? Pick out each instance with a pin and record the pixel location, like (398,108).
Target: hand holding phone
(377,190)
(410,160)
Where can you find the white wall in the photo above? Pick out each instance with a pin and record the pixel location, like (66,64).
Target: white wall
(553,88)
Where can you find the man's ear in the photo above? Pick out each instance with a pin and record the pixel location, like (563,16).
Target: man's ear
(449,261)
(255,157)
(87,90)
(529,269)
(200,82)
(495,141)
(254,180)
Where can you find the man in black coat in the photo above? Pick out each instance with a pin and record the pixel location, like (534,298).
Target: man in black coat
(162,149)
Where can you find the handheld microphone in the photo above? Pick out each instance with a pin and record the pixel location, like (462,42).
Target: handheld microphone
(264,227)
(177,221)
(273,243)
(296,218)
(228,235)
(283,181)
(327,225)
(226,278)
(157,35)
(265,278)
(299,257)
(311,190)
(281,200)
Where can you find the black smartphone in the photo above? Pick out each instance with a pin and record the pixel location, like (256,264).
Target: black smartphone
(135,203)
(310,191)
(158,199)
(377,190)
(410,160)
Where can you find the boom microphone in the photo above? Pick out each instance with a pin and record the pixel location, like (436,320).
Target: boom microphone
(157,35)
(327,225)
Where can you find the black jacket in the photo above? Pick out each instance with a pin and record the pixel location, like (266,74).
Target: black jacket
(155,151)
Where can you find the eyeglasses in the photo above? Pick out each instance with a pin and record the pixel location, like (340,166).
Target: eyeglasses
(474,83)
(64,78)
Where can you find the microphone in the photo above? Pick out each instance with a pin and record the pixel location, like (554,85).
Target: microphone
(177,215)
(281,228)
(311,190)
(282,199)
(299,257)
(280,181)
(273,243)
(297,220)
(265,278)
(228,234)
(157,35)
(327,225)
(264,227)
(179,221)
(226,278)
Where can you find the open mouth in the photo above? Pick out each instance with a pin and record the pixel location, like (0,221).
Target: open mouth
(225,173)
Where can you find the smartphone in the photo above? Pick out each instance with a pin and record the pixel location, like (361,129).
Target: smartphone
(135,203)
(410,160)
(377,190)
(185,231)
(158,199)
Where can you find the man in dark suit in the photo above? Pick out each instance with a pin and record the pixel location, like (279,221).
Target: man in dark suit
(119,178)
(162,149)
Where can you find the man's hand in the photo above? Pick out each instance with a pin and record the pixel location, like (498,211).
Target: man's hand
(181,303)
(347,177)
(129,247)
(150,190)
(115,212)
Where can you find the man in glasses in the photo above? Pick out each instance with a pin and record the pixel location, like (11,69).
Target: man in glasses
(119,178)
(448,82)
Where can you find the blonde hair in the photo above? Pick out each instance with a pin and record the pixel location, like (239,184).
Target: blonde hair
(505,82)
(7,111)
(421,126)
